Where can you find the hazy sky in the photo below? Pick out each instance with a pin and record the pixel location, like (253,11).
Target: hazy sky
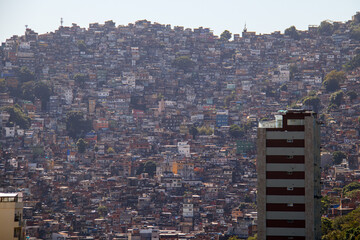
(262,16)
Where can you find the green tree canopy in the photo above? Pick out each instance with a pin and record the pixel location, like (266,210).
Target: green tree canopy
(326,28)
(351,187)
(338,157)
(205,130)
(25,75)
(337,98)
(345,227)
(110,150)
(333,79)
(43,91)
(325,204)
(193,131)
(183,63)
(226,35)
(17,116)
(354,62)
(293,71)
(2,85)
(352,95)
(236,131)
(149,167)
(292,32)
(313,101)
(326,225)
(81,45)
(81,145)
(76,125)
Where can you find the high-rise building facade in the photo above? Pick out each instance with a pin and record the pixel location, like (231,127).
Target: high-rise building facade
(11,216)
(288,168)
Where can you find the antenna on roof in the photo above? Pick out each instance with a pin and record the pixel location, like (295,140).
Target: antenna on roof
(245,29)
(61,21)
(26,26)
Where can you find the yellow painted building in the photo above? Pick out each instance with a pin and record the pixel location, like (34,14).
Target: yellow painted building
(11,216)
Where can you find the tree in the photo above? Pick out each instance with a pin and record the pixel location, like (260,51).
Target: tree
(38,151)
(183,63)
(27,90)
(333,79)
(236,131)
(17,116)
(2,85)
(293,71)
(355,33)
(226,35)
(205,130)
(25,75)
(326,225)
(325,28)
(253,238)
(102,210)
(81,45)
(351,187)
(352,95)
(76,125)
(43,92)
(292,32)
(283,87)
(193,131)
(81,145)
(110,150)
(313,101)
(149,167)
(325,204)
(353,63)
(343,227)
(338,157)
(336,98)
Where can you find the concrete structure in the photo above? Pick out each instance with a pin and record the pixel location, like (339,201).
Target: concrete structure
(288,167)
(11,216)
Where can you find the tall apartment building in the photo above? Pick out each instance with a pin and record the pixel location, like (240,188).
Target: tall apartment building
(288,167)
(11,216)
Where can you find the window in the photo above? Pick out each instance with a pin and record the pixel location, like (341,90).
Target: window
(17,232)
(290,157)
(290,204)
(295,122)
(289,140)
(290,188)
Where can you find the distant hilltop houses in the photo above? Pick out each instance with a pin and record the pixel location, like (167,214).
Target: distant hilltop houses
(148,130)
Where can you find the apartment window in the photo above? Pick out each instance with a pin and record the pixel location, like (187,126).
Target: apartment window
(295,122)
(290,157)
(290,188)
(289,140)
(290,204)
(17,232)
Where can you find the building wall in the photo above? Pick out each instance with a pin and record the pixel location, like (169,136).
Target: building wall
(288,168)
(7,217)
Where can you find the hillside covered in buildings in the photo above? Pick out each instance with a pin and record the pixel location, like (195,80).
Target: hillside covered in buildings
(117,131)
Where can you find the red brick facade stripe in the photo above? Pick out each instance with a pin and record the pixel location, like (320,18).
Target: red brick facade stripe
(285,143)
(284,207)
(296,191)
(291,128)
(286,223)
(285,159)
(285,175)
